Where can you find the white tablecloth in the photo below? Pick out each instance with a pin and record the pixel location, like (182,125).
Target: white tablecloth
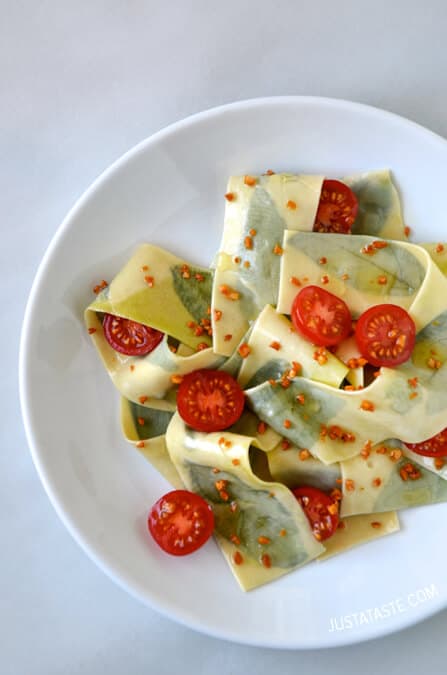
(80,83)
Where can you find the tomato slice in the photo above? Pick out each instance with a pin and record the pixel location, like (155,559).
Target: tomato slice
(337,209)
(320,316)
(181,522)
(436,446)
(385,335)
(210,400)
(129,337)
(321,510)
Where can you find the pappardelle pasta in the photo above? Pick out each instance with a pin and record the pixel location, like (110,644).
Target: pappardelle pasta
(294,392)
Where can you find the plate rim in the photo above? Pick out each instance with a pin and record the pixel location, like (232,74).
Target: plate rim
(135,589)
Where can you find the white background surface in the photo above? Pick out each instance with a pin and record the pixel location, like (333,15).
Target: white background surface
(80,83)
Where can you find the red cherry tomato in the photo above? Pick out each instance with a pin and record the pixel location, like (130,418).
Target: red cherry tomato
(181,522)
(321,510)
(129,337)
(385,335)
(210,400)
(320,316)
(337,209)
(436,446)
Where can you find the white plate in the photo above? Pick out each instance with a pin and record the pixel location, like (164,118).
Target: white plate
(169,190)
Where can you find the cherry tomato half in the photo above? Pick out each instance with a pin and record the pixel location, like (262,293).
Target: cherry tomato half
(337,209)
(210,400)
(320,316)
(436,446)
(385,335)
(181,522)
(321,510)
(129,337)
